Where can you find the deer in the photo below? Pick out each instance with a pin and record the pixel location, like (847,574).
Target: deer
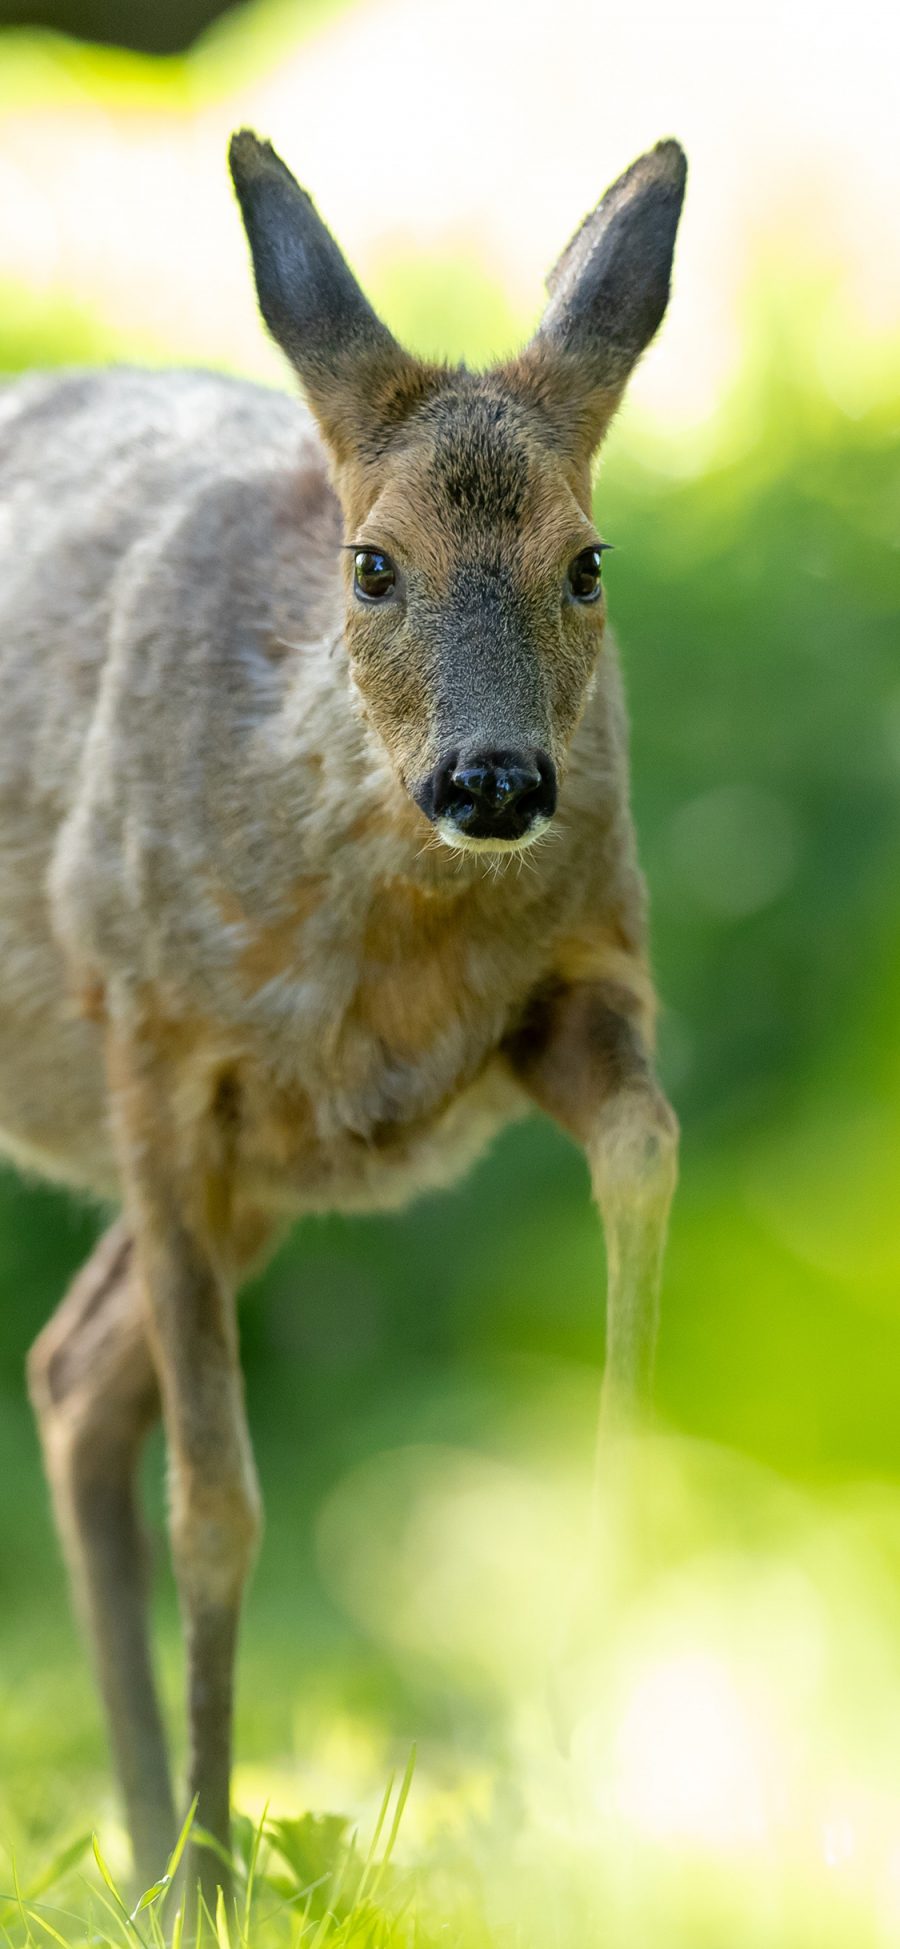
(317,867)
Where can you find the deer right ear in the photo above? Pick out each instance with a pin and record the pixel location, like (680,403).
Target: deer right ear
(608,295)
(345,357)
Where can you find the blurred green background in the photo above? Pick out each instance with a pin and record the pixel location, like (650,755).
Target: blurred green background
(430,1380)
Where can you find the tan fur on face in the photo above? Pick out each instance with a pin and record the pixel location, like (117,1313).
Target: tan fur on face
(467,489)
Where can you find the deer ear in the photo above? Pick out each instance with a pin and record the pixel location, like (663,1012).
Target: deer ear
(344,356)
(609,291)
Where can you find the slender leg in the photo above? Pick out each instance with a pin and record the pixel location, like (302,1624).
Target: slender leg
(179,1199)
(633,1161)
(214,1507)
(94,1390)
(583,1053)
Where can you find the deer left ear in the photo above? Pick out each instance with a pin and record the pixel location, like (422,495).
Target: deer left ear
(608,295)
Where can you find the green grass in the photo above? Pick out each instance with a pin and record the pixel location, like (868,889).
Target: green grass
(686,1739)
(294,1881)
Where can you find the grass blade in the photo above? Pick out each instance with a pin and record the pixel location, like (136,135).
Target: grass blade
(402,1798)
(48,1927)
(119,1915)
(224,1939)
(251,1868)
(382,1817)
(182,1841)
(107,1876)
(149,1895)
(29,1938)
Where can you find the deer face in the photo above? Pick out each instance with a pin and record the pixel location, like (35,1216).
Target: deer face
(475,613)
(474,601)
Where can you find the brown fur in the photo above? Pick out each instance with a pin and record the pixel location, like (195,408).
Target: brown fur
(243,975)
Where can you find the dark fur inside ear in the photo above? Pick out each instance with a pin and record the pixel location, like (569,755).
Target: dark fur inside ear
(610,289)
(307,293)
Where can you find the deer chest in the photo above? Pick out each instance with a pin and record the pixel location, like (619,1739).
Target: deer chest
(372,1067)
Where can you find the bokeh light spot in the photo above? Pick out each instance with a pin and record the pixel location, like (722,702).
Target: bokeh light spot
(735,849)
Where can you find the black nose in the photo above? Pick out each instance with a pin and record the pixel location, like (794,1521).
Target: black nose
(494,794)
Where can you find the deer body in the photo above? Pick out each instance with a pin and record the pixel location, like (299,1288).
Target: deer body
(198,848)
(316,862)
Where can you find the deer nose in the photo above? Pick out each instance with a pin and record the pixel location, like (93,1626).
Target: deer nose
(495,786)
(494,794)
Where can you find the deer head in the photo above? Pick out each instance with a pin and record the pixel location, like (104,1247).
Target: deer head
(473,588)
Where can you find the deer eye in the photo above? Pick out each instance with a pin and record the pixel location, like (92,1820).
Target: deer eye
(584,575)
(374,574)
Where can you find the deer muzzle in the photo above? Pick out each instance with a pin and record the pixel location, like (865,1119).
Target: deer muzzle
(491,798)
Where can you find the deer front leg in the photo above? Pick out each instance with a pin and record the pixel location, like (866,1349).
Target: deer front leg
(178,1193)
(583,1054)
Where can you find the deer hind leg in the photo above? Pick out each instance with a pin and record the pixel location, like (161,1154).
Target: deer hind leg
(94,1391)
